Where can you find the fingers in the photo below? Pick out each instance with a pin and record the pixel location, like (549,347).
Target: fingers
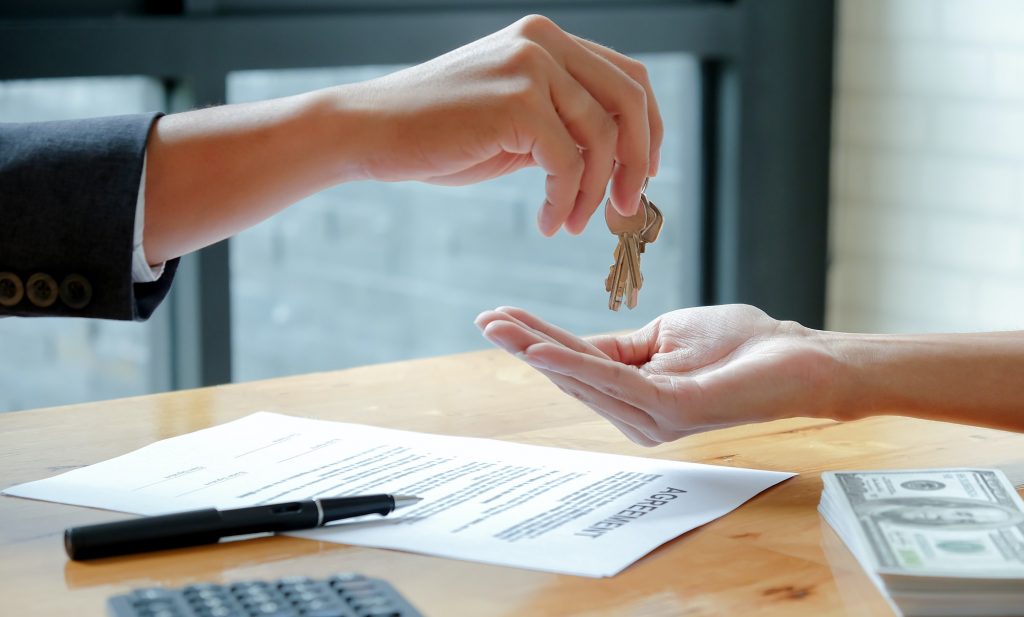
(612,347)
(596,133)
(634,348)
(515,337)
(552,332)
(608,408)
(621,381)
(617,390)
(638,72)
(615,134)
(508,334)
(626,100)
(555,150)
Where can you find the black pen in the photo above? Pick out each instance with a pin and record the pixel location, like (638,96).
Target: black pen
(153,533)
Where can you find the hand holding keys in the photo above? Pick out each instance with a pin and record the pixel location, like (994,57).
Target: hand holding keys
(634,232)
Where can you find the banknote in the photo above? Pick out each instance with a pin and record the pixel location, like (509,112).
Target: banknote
(932,522)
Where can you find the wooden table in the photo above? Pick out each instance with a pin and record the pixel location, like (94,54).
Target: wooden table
(772,556)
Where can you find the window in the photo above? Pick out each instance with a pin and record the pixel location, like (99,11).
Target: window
(46,362)
(371,272)
(342,279)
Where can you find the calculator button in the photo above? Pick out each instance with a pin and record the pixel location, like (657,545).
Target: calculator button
(336,611)
(342,595)
(152,594)
(354,585)
(203,589)
(379,608)
(358,595)
(347,577)
(212,603)
(273,609)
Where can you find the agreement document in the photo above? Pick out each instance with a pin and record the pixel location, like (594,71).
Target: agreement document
(497,502)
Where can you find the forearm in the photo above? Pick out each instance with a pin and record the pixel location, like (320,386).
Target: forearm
(967,378)
(214,172)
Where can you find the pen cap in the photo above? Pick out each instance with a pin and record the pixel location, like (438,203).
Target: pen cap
(148,533)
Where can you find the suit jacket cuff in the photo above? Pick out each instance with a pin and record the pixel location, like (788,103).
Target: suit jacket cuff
(68,193)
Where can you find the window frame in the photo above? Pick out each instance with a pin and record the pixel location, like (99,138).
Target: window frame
(766,89)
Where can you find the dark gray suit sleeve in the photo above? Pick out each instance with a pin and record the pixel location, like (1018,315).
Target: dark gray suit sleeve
(68,192)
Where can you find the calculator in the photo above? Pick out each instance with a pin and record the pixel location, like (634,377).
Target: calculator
(341,595)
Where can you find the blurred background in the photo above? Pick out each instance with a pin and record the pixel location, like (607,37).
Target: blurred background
(856,165)
(927,198)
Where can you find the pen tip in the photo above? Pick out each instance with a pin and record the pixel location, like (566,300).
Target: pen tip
(403,501)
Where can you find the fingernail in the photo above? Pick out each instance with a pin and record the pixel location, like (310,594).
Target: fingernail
(488,333)
(482,320)
(546,219)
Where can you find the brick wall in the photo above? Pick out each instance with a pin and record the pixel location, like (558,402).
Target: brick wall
(927,213)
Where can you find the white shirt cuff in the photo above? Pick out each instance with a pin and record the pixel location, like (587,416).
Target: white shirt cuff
(142,272)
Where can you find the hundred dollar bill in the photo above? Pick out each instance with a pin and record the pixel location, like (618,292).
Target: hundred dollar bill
(931,522)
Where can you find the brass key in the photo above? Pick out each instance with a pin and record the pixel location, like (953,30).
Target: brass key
(624,278)
(654,222)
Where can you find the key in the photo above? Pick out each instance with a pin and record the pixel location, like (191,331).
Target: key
(624,279)
(655,220)
(608,282)
(625,290)
(636,278)
(625,276)
(612,284)
(650,233)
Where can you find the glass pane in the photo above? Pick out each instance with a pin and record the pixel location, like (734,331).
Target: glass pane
(374,272)
(46,361)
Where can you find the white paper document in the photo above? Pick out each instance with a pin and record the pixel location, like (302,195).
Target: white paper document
(541,508)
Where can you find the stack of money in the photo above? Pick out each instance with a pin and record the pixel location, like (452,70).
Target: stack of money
(936,542)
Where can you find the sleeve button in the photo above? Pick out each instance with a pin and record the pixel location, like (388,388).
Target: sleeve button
(75,291)
(41,289)
(11,289)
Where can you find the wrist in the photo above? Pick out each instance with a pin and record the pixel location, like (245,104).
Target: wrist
(856,390)
(968,377)
(337,125)
(825,373)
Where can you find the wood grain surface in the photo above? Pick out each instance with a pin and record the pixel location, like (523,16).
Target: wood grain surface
(772,556)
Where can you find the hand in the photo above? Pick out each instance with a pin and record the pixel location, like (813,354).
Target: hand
(688,371)
(530,94)
(527,95)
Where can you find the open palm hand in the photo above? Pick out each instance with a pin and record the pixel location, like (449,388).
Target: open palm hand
(687,371)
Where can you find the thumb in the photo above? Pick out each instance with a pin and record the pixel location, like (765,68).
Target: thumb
(631,348)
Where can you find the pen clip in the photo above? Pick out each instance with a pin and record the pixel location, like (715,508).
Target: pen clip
(319,512)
